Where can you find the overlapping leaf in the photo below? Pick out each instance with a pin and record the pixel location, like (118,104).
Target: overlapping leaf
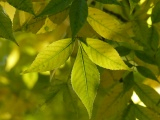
(6,26)
(107,25)
(78,15)
(55,6)
(104,55)
(52,56)
(148,96)
(85,80)
(25,5)
(143,113)
(146,72)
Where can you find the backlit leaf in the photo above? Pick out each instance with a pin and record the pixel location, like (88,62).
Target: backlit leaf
(78,15)
(52,56)
(25,5)
(146,72)
(104,55)
(148,96)
(6,26)
(143,113)
(55,6)
(85,79)
(155,13)
(107,25)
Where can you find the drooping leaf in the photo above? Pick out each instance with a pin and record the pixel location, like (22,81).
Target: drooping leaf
(146,72)
(55,6)
(104,55)
(143,113)
(148,96)
(123,51)
(52,56)
(109,1)
(85,80)
(6,26)
(155,13)
(107,25)
(25,5)
(78,15)
(144,57)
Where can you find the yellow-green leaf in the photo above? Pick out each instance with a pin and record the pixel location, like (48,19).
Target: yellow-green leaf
(104,55)
(85,79)
(52,56)
(107,25)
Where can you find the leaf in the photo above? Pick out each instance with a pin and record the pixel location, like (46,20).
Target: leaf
(133,4)
(52,56)
(128,81)
(113,103)
(59,17)
(25,5)
(104,55)
(6,26)
(155,13)
(78,14)
(107,25)
(109,1)
(85,79)
(157,57)
(55,6)
(128,113)
(148,96)
(146,72)
(144,57)
(123,51)
(143,113)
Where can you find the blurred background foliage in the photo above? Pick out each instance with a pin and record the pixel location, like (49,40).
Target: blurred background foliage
(33,96)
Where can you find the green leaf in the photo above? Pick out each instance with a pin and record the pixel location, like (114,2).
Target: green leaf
(144,57)
(148,96)
(109,1)
(52,56)
(128,81)
(157,57)
(143,113)
(25,5)
(154,38)
(55,6)
(146,72)
(85,79)
(104,55)
(6,26)
(107,25)
(123,51)
(155,13)
(133,4)
(78,14)
(128,113)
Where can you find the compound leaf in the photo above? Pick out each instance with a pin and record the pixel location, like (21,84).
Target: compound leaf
(52,56)
(85,79)
(104,55)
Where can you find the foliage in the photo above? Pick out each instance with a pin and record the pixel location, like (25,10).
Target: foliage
(97,53)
